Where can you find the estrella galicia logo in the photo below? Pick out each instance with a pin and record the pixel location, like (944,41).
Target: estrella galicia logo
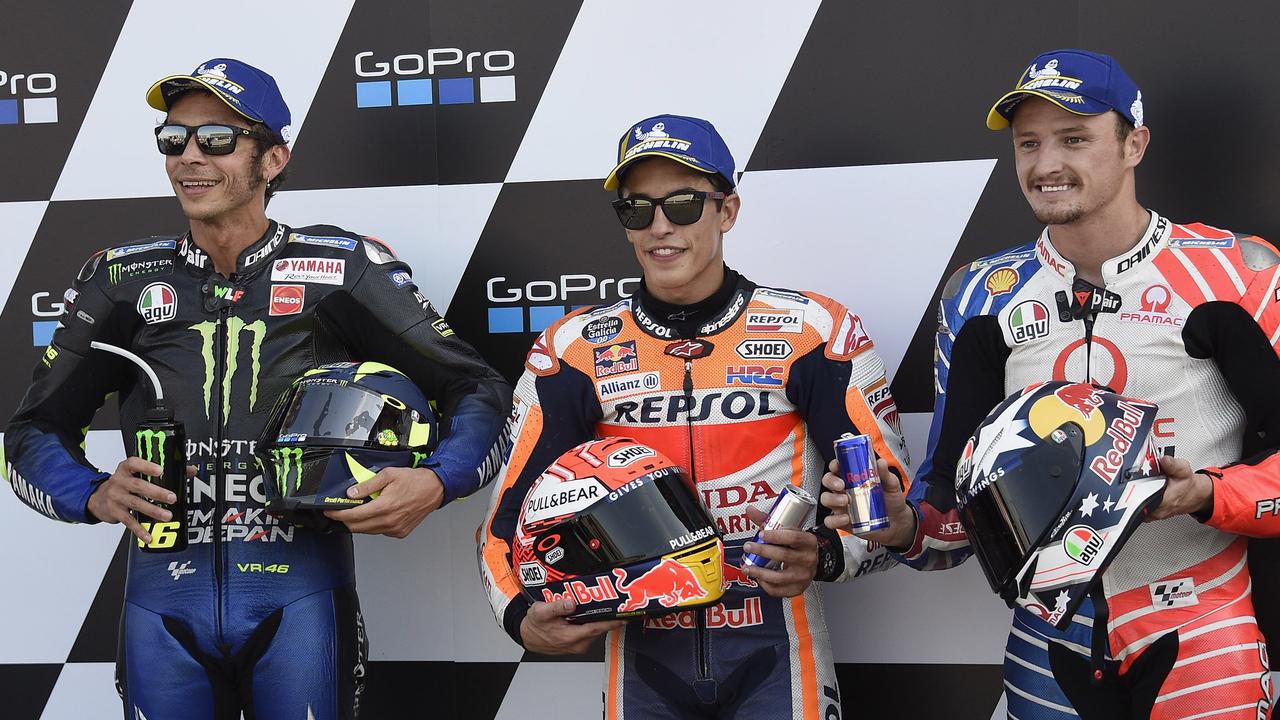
(417,82)
(238,335)
(37,104)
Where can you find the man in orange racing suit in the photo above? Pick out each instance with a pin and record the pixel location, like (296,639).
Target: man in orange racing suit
(1184,315)
(744,387)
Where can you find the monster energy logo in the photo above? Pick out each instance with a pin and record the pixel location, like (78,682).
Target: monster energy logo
(287,460)
(419,458)
(147,439)
(208,329)
(113,273)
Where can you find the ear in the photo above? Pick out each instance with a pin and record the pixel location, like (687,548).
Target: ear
(1135,146)
(729,212)
(274,161)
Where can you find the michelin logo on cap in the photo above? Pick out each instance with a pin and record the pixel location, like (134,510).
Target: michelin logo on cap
(657,137)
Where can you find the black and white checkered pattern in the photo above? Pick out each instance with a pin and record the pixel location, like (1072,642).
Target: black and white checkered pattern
(471,135)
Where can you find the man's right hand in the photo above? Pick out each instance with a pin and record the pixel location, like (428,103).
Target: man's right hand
(901,532)
(125,491)
(546,630)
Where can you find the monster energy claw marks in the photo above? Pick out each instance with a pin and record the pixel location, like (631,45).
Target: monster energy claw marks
(164,442)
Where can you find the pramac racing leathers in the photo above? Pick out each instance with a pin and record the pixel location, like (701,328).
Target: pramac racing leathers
(254,610)
(745,391)
(1189,319)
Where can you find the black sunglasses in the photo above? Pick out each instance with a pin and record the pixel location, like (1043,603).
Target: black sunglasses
(211,139)
(682,207)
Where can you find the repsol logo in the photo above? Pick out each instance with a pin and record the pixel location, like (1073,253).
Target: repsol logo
(737,405)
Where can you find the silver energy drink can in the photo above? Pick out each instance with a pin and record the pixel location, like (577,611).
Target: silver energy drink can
(861,480)
(789,511)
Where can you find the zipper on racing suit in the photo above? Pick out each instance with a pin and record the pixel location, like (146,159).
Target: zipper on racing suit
(219,476)
(703,684)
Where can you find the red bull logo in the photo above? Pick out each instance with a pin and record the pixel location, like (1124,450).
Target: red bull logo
(668,582)
(617,358)
(1081,397)
(733,574)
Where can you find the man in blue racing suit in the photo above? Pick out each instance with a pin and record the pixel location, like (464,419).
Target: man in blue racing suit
(254,616)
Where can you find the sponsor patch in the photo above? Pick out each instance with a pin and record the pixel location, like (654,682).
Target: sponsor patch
(616,358)
(340,243)
(717,616)
(1002,281)
(689,349)
(762,375)
(1154,308)
(556,499)
(602,330)
(532,574)
(628,455)
(851,338)
(287,299)
(400,278)
(764,350)
(1028,321)
(1082,544)
(1001,259)
(442,327)
(627,386)
(1174,593)
(775,321)
(327,271)
(158,303)
(122,272)
(1218,243)
(120,252)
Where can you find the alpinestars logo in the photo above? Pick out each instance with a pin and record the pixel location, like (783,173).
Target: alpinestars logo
(237,332)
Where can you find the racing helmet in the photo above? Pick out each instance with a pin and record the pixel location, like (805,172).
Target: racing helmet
(616,526)
(1051,485)
(337,426)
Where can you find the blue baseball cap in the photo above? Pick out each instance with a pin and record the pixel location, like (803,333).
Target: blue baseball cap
(1077,81)
(689,141)
(244,88)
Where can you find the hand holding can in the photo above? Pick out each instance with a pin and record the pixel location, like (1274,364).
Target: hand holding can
(789,511)
(857,462)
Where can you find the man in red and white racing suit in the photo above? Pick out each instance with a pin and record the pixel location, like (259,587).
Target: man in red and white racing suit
(745,388)
(1184,315)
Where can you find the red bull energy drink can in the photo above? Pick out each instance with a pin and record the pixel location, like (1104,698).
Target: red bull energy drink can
(862,481)
(789,511)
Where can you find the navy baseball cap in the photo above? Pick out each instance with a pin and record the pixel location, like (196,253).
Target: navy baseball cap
(689,141)
(243,87)
(1077,81)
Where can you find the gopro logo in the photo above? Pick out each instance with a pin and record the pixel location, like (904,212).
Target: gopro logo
(34,110)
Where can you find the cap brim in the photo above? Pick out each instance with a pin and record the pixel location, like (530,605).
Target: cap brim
(156,95)
(997,121)
(611,182)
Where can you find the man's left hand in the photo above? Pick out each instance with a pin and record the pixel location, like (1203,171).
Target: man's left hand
(1186,491)
(405,497)
(796,549)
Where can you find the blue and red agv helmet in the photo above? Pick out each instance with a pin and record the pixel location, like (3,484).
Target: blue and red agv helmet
(615,526)
(1051,485)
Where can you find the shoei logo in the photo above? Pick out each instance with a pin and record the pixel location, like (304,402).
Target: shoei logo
(412,88)
(43,108)
(1082,544)
(546,301)
(158,303)
(532,574)
(628,455)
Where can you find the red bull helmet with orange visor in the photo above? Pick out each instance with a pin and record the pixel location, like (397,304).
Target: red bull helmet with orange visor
(336,426)
(1051,485)
(615,526)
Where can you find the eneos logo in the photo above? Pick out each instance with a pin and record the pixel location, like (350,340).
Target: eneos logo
(287,299)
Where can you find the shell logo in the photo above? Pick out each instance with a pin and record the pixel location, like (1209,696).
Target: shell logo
(1001,281)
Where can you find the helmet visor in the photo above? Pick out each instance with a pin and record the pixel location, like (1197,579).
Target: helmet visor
(1008,518)
(323,412)
(650,520)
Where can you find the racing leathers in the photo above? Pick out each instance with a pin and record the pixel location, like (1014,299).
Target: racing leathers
(254,613)
(1189,319)
(746,392)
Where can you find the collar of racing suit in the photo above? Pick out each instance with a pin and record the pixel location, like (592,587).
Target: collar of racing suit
(251,259)
(1152,240)
(705,317)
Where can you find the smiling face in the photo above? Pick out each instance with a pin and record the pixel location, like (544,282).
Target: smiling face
(682,264)
(1072,166)
(216,187)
